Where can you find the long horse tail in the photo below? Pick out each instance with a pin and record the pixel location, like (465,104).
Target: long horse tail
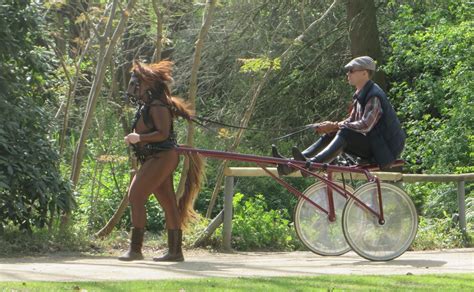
(195,173)
(192,186)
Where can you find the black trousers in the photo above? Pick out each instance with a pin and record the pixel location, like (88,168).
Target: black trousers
(357,144)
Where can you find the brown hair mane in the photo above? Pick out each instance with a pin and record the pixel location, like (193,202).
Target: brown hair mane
(155,77)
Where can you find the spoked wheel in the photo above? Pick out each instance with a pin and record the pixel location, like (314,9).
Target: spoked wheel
(313,227)
(375,241)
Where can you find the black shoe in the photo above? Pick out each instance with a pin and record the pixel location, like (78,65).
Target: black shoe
(297,155)
(282,169)
(275,152)
(300,157)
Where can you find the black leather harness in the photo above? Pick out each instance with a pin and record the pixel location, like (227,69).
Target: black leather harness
(143,152)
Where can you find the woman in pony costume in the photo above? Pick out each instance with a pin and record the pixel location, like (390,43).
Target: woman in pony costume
(154,143)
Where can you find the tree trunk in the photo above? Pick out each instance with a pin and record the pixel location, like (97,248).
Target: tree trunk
(304,37)
(364,34)
(244,123)
(71,94)
(59,37)
(209,230)
(75,8)
(116,217)
(207,18)
(105,56)
(159,30)
(109,226)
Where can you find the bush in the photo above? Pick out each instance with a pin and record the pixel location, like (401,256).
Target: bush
(432,83)
(255,227)
(14,242)
(436,233)
(30,182)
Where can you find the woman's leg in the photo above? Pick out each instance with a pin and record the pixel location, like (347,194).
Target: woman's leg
(166,196)
(149,177)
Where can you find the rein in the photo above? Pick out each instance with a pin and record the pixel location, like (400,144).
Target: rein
(201,120)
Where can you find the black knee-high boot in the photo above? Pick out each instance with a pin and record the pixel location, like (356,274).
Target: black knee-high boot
(312,150)
(317,146)
(282,169)
(328,154)
(331,151)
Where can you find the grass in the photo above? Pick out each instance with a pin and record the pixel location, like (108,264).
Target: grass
(446,282)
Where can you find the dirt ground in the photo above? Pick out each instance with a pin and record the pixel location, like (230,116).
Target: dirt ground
(202,263)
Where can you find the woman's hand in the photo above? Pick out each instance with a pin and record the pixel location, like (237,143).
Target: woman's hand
(132,138)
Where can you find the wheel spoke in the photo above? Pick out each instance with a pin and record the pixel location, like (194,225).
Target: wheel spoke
(313,227)
(366,236)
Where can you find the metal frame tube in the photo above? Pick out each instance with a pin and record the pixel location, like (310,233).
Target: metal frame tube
(260,160)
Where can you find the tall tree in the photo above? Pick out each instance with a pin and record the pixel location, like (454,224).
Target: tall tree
(364,33)
(107,41)
(206,23)
(159,30)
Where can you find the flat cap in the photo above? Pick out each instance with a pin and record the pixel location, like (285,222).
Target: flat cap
(361,63)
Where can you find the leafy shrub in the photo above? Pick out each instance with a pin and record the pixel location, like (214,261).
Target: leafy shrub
(435,233)
(430,66)
(255,227)
(30,182)
(433,200)
(14,242)
(432,82)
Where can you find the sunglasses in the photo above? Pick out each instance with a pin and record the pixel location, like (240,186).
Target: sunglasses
(352,71)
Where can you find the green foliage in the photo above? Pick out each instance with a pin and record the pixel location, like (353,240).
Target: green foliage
(30,182)
(43,241)
(431,65)
(435,233)
(256,227)
(433,199)
(260,64)
(194,231)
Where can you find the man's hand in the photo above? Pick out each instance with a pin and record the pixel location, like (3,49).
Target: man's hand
(326,127)
(132,138)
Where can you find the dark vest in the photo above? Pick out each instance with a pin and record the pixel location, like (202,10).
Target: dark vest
(387,137)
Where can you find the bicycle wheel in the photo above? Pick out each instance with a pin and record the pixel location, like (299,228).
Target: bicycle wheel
(374,241)
(313,227)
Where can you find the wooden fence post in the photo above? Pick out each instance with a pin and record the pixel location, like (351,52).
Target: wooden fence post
(228,197)
(462,206)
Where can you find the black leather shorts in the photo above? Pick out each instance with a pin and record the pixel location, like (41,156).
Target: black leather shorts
(148,150)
